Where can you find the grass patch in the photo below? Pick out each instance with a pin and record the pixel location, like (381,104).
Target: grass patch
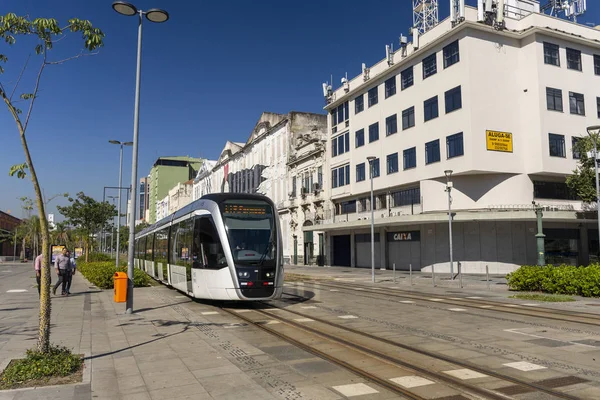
(58,366)
(553,298)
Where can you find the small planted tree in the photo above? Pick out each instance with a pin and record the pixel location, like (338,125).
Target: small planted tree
(88,216)
(583,180)
(46,32)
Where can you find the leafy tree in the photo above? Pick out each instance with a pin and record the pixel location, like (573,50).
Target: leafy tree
(88,215)
(62,235)
(46,32)
(583,180)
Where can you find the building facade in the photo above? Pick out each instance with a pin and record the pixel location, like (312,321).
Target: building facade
(144,198)
(166,173)
(162,208)
(8,225)
(203,181)
(499,105)
(180,196)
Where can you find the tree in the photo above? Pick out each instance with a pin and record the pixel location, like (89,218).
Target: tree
(46,32)
(583,180)
(88,215)
(61,235)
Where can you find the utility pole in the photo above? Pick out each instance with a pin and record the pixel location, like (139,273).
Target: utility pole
(540,234)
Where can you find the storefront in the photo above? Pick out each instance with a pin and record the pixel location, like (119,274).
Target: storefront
(404,250)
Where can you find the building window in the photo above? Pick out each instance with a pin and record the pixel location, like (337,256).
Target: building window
(429,66)
(575,147)
(360,172)
(359,138)
(373,96)
(573,59)
(557,145)
(598,106)
(408,118)
(431,108)
(359,103)
(553,190)
(451,54)
(551,54)
(320,177)
(363,205)
(340,176)
(339,115)
(405,197)
(410,158)
(596,64)
(576,103)
(453,99)
(432,151)
(392,163)
(390,87)
(406,78)
(391,125)
(375,168)
(340,144)
(346,207)
(454,145)
(374,132)
(554,99)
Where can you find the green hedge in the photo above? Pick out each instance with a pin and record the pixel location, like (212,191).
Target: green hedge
(101,273)
(560,279)
(93,257)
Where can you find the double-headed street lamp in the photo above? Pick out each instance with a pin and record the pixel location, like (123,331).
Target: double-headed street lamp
(371,160)
(158,16)
(594,131)
(448,174)
(121,144)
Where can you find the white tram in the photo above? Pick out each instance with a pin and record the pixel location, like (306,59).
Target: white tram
(224,246)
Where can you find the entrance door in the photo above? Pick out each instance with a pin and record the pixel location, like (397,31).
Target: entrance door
(308,252)
(341,250)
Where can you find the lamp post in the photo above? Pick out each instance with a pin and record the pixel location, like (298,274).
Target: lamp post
(158,16)
(371,160)
(112,234)
(448,174)
(539,237)
(593,131)
(121,144)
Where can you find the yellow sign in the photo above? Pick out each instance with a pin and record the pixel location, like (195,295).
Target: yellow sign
(55,251)
(499,141)
(78,252)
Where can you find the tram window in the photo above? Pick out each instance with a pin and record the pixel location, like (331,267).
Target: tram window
(142,248)
(182,245)
(161,245)
(207,251)
(149,244)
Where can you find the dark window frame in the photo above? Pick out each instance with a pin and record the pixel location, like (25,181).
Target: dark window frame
(574,59)
(359,106)
(405,197)
(453,99)
(455,145)
(432,152)
(408,118)
(557,145)
(374,133)
(373,96)
(451,54)
(429,66)
(374,168)
(551,54)
(392,163)
(409,157)
(554,99)
(431,109)
(407,78)
(596,64)
(391,125)
(359,138)
(390,87)
(574,153)
(577,103)
(361,174)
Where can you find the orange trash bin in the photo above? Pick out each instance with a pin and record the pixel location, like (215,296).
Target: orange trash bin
(120,284)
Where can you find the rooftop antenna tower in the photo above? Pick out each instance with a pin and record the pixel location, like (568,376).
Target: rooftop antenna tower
(571,9)
(425,15)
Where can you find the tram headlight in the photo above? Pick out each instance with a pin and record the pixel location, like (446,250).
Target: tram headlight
(270,274)
(244,274)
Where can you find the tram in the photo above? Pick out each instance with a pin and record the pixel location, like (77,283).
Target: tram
(224,246)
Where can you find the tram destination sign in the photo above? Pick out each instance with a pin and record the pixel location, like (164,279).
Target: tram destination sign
(245,209)
(412,236)
(499,141)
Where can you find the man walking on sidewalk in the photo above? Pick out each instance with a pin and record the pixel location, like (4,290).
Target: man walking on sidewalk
(62,264)
(71,272)
(38,271)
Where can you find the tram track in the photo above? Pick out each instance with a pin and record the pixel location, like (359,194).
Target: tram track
(351,348)
(479,304)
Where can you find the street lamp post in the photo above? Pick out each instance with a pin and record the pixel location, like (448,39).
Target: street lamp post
(158,16)
(540,237)
(448,174)
(593,131)
(371,160)
(121,144)
(112,234)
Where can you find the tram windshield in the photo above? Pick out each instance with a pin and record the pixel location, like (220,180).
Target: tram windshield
(250,227)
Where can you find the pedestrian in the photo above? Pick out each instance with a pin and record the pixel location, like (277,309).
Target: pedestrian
(73,265)
(62,264)
(38,264)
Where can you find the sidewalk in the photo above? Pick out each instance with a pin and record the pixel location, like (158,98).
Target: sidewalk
(171,348)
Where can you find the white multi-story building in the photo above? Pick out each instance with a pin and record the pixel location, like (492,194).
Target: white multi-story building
(162,208)
(498,103)
(180,196)
(261,166)
(203,181)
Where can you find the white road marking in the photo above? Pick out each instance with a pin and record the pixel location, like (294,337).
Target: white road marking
(356,389)
(456,309)
(344,280)
(524,366)
(486,306)
(304,320)
(272,322)
(514,330)
(435,299)
(465,374)
(473,297)
(334,290)
(455,298)
(308,307)
(209,313)
(347,316)
(7,270)
(242,311)
(411,381)
(407,301)
(395,287)
(358,288)
(16,291)
(511,305)
(300,283)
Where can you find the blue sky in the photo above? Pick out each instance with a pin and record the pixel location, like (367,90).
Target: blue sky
(207,75)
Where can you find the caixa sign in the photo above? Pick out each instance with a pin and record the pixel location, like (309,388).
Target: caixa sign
(412,236)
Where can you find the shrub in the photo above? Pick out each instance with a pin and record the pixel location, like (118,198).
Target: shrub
(93,257)
(101,274)
(58,361)
(561,279)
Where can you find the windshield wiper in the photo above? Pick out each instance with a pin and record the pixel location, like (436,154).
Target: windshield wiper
(264,254)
